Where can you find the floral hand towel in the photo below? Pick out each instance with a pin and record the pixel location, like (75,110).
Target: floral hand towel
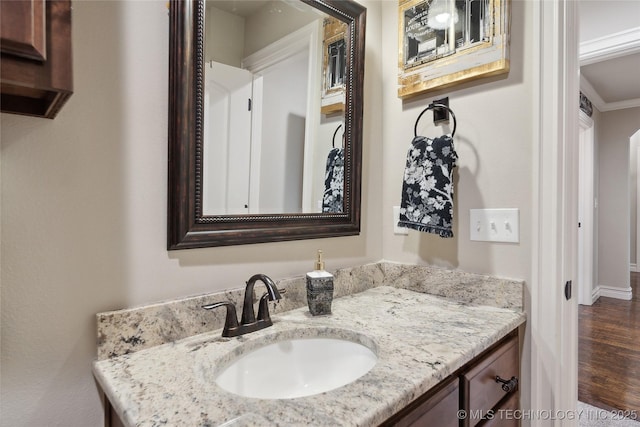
(427,189)
(332,199)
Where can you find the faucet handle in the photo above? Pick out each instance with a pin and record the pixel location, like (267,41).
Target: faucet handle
(231,327)
(263,310)
(263,307)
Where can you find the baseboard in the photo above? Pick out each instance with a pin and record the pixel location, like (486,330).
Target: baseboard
(611,292)
(633,268)
(595,294)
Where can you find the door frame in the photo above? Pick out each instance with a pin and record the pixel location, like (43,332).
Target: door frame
(587,231)
(553,319)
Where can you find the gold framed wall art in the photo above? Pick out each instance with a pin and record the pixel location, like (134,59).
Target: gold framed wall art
(446,42)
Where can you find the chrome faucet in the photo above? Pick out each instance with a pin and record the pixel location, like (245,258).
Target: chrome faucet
(249,323)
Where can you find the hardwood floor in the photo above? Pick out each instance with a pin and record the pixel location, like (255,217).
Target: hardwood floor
(609,352)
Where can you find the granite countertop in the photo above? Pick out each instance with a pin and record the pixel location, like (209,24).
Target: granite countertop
(420,339)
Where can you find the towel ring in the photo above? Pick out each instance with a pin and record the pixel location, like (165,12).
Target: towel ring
(333,141)
(430,107)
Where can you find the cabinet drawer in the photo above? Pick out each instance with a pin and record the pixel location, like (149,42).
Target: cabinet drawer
(481,392)
(439,409)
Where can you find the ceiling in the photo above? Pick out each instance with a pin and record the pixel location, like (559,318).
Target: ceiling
(245,8)
(610,53)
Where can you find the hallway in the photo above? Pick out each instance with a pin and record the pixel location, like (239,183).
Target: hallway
(609,352)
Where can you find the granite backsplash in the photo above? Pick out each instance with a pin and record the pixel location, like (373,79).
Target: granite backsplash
(130,330)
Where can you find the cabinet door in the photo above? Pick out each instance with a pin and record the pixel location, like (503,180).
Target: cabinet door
(22,29)
(36,87)
(437,408)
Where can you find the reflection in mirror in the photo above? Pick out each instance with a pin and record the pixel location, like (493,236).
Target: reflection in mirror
(222,192)
(334,65)
(273,101)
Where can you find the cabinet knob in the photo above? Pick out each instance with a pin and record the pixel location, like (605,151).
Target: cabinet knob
(508,385)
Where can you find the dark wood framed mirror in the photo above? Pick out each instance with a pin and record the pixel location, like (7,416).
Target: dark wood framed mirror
(190,225)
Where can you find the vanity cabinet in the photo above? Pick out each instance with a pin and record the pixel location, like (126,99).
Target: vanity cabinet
(36,73)
(111,418)
(438,407)
(472,389)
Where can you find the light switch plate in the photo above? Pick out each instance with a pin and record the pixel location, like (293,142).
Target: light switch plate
(396,218)
(494,225)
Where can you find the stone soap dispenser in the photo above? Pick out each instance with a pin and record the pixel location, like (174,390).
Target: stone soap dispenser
(319,289)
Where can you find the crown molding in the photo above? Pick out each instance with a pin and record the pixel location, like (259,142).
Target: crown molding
(612,46)
(615,45)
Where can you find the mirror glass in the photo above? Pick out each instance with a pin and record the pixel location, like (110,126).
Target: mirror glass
(273,108)
(265,120)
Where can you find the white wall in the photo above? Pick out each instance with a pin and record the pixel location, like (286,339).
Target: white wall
(613,132)
(494,142)
(84,214)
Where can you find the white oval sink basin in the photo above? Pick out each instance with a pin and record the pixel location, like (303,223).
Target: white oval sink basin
(296,368)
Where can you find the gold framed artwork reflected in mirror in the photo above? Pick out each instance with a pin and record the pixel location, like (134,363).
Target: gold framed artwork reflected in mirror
(189,225)
(446,42)
(334,66)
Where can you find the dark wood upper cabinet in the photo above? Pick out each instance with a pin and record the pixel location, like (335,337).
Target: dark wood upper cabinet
(22,29)
(36,73)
